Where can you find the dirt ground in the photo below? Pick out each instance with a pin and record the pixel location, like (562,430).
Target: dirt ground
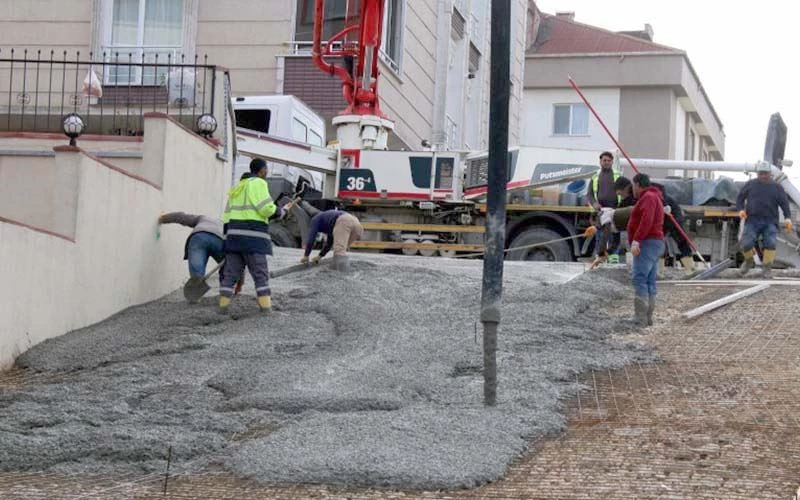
(717,418)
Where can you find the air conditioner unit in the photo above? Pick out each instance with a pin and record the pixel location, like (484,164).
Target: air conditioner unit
(182,87)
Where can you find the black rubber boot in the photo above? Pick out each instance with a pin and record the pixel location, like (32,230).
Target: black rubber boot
(651,307)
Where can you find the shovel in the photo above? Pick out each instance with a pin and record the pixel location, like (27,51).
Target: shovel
(196,287)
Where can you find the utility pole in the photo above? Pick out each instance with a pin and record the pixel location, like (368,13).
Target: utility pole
(491,294)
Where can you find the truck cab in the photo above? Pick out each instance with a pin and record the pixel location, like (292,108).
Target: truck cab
(286,117)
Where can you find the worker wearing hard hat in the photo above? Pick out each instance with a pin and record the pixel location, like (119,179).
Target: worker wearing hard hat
(758,203)
(341,230)
(247,241)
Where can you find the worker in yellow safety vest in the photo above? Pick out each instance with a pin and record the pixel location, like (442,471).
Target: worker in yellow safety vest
(247,241)
(602,194)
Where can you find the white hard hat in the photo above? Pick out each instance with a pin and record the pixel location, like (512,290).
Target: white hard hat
(763,167)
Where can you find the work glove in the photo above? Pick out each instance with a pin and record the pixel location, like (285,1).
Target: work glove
(667,210)
(635,249)
(787,224)
(304,259)
(742,214)
(315,259)
(590,232)
(606,216)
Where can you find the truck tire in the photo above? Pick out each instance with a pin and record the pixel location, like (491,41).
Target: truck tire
(281,237)
(553,252)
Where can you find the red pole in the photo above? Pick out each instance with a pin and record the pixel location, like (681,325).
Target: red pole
(630,162)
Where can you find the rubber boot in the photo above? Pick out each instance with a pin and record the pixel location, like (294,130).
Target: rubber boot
(224,302)
(265,304)
(748,263)
(341,263)
(766,265)
(639,319)
(651,307)
(662,264)
(688,265)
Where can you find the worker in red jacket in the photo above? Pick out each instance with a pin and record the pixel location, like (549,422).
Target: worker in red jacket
(646,241)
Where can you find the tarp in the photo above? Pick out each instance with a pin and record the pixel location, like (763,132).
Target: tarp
(711,192)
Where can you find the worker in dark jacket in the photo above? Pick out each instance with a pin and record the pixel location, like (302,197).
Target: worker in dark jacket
(646,241)
(601,194)
(758,203)
(340,228)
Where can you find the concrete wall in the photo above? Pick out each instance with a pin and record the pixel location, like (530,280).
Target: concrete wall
(647,117)
(246,37)
(112,259)
(537,121)
(45,24)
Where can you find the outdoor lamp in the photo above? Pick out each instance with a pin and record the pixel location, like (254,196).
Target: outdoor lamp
(73,127)
(206,125)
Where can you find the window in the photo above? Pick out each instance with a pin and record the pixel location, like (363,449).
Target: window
(334,17)
(253,119)
(144,31)
(339,13)
(392,36)
(314,138)
(570,119)
(299,130)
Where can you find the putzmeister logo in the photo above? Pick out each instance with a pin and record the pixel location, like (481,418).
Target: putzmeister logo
(560,173)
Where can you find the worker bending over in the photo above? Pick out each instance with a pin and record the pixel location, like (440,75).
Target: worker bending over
(247,241)
(341,230)
(758,203)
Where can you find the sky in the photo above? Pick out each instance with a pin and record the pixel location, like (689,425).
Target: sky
(745,55)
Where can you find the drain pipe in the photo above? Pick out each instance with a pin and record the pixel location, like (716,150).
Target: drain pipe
(443,16)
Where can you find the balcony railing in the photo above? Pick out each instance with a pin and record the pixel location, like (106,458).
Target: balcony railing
(110,91)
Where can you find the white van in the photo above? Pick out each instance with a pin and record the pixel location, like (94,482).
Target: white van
(283,116)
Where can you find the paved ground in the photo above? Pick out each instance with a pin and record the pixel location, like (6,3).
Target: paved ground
(718,418)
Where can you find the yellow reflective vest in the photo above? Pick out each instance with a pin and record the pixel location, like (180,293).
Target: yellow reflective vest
(246,217)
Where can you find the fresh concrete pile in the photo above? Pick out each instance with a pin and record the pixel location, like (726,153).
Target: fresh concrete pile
(373,377)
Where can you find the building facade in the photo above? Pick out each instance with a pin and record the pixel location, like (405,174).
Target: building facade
(647,94)
(434,64)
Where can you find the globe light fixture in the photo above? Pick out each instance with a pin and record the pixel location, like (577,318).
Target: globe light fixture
(73,127)
(206,125)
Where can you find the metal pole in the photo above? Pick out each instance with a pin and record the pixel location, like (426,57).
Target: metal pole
(499,88)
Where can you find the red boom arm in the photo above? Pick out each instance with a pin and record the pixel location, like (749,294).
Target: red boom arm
(359,74)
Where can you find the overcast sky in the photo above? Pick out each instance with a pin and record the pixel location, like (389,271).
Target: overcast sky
(745,54)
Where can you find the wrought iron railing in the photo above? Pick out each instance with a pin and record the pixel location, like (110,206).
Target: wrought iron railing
(111,91)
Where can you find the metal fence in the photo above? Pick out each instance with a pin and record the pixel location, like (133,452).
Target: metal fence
(110,91)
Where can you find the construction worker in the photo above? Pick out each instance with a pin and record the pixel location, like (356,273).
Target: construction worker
(247,241)
(341,230)
(601,195)
(203,242)
(758,203)
(646,241)
(671,206)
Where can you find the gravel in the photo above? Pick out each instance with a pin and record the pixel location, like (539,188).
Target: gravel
(368,378)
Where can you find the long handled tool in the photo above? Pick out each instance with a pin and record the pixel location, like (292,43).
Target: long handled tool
(196,287)
(532,245)
(633,166)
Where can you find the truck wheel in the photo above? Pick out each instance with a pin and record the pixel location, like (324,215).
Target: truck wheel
(554,252)
(281,237)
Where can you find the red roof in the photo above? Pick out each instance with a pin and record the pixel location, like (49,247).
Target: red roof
(557,35)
